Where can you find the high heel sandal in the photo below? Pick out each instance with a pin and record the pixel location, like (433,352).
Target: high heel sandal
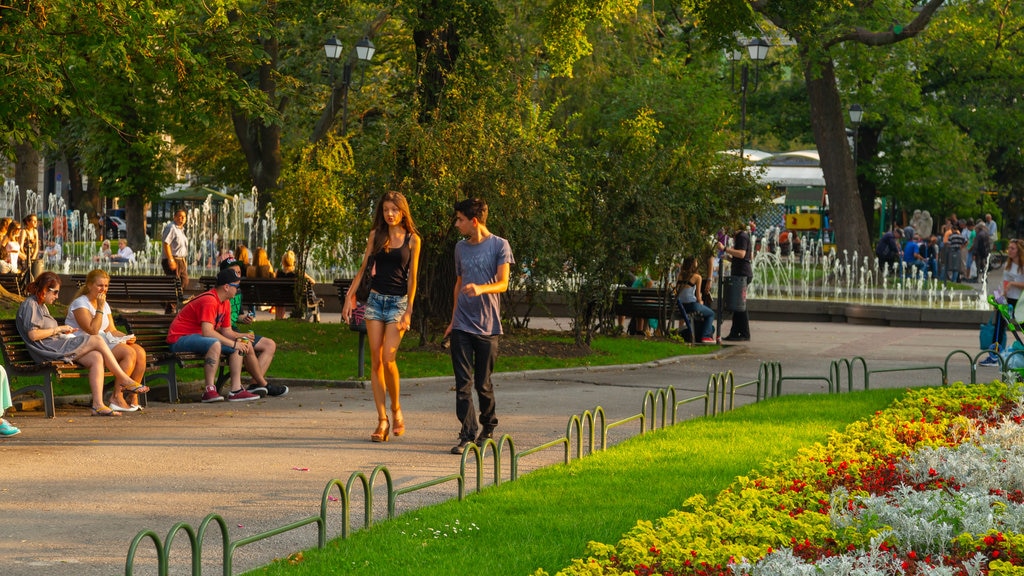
(382,432)
(398,428)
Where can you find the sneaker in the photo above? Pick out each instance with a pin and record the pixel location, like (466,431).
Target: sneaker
(242,395)
(989,362)
(6,429)
(276,389)
(257,389)
(707,340)
(460,447)
(211,395)
(484,436)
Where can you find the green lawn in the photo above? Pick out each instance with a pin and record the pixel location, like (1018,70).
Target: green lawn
(330,352)
(546,518)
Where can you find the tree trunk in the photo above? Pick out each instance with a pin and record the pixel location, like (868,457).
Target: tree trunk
(850,231)
(26,174)
(135,215)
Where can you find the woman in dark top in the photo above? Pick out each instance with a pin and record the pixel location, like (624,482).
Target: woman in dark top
(46,341)
(393,253)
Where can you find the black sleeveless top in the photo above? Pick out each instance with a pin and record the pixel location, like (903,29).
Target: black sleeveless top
(391,274)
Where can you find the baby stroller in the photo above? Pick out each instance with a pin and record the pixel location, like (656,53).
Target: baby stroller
(1012,356)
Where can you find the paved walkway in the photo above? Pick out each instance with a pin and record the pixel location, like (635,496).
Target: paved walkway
(76,489)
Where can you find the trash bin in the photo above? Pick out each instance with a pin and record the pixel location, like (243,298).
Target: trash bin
(735,293)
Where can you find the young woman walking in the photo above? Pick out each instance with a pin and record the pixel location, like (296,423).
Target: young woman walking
(392,256)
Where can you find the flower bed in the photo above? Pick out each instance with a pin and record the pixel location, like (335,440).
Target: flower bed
(932,485)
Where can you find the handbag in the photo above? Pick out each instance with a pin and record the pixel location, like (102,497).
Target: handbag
(363,291)
(987,336)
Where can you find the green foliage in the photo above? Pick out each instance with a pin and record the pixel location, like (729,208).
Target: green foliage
(309,208)
(545,518)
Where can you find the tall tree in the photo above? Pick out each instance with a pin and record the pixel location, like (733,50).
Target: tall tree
(821,29)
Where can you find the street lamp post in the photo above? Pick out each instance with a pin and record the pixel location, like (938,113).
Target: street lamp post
(333,49)
(757,49)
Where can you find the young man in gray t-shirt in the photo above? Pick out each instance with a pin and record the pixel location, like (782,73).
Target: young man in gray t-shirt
(482,263)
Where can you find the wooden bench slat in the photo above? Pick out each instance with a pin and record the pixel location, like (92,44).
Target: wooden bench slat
(125,290)
(273,292)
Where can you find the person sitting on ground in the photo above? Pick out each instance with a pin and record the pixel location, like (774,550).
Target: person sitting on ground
(90,313)
(265,347)
(125,254)
(203,326)
(53,251)
(689,298)
(104,253)
(47,341)
(6,428)
(913,259)
(288,270)
(888,251)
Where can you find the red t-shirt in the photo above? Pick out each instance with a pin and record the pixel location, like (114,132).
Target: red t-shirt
(206,307)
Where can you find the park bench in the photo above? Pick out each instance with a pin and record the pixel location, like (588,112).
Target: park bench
(642,303)
(273,292)
(14,282)
(342,286)
(18,362)
(150,332)
(145,291)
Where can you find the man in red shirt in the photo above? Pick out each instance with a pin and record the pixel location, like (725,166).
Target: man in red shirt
(204,326)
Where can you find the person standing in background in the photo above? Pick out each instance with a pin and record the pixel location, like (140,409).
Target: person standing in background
(175,245)
(993,228)
(740,254)
(30,246)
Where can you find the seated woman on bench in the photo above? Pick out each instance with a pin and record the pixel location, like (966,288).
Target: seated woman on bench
(689,296)
(90,313)
(48,341)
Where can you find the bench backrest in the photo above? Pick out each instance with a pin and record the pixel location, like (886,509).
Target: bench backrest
(150,331)
(342,285)
(636,301)
(127,290)
(14,282)
(15,352)
(266,291)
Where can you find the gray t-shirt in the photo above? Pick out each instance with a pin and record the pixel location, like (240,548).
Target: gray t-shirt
(478,264)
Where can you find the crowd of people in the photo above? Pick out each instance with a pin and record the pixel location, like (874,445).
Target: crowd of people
(210,323)
(21,247)
(958,253)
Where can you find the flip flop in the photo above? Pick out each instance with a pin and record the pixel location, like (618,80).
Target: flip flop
(105,412)
(117,408)
(137,389)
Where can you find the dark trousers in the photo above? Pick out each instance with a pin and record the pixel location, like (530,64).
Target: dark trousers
(473,359)
(740,325)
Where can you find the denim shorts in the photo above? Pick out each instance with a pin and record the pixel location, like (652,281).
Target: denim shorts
(385,308)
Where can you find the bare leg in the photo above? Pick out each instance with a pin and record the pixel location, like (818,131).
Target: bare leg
(137,372)
(93,360)
(126,360)
(375,333)
(265,350)
(389,370)
(96,343)
(210,363)
(235,369)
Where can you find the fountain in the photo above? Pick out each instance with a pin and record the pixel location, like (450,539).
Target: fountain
(207,225)
(852,288)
